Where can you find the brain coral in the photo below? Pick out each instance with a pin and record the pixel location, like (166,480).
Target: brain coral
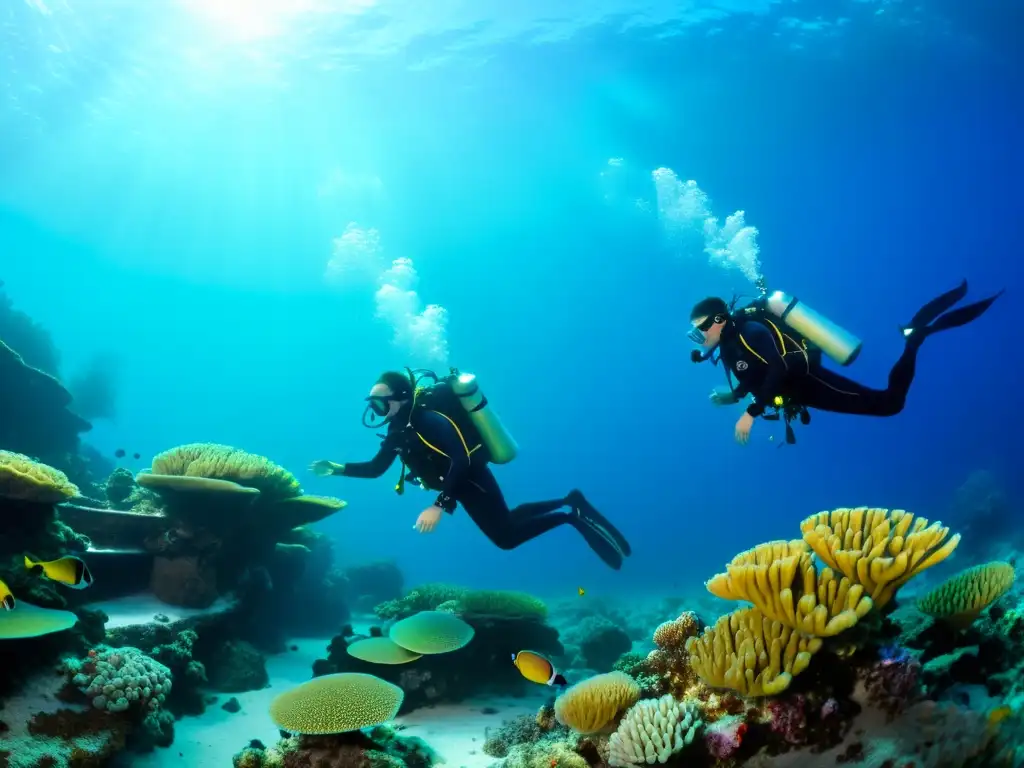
(595,703)
(337,703)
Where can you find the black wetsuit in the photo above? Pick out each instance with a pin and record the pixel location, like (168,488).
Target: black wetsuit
(752,354)
(433,450)
(768,362)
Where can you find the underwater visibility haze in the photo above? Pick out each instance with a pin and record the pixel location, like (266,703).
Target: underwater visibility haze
(222,221)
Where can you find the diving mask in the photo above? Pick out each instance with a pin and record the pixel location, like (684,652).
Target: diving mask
(377,406)
(698,334)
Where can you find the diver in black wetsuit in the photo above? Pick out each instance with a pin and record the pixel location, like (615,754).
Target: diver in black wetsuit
(778,368)
(434,450)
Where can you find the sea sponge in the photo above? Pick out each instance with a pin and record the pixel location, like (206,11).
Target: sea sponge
(380,650)
(431,632)
(750,653)
(27,480)
(594,704)
(960,599)
(338,703)
(116,678)
(222,462)
(653,730)
(28,620)
(780,579)
(879,549)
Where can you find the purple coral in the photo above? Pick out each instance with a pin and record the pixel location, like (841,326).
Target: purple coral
(723,738)
(892,681)
(788,718)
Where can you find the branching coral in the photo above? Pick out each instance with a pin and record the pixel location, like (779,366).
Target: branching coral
(879,549)
(780,579)
(750,653)
(959,600)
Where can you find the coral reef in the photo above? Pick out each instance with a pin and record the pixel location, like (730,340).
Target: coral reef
(502,624)
(380,747)
(237,666)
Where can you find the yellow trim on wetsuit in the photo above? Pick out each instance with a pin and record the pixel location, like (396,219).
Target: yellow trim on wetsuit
(751,350)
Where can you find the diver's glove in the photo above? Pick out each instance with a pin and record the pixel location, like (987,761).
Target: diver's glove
(723,397)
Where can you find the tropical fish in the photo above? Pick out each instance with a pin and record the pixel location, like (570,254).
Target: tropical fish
(119,453)
(70,571)
(581,591)
(537,669)
(6,598)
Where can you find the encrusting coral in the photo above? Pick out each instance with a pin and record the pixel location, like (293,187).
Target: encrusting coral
(115,679)
(959,600)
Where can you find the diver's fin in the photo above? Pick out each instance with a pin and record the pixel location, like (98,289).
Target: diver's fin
(602,546)
(954,318)
(937,306)
(586,510)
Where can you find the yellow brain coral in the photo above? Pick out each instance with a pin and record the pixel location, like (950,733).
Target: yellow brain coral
(780,579)
(27,480)
(879,549)
(596,703)
(960,599)
(222,462)
(337,703)
(750,653)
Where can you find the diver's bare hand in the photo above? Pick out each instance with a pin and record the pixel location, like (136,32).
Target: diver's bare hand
(743,427)
(428,519)
(323,468)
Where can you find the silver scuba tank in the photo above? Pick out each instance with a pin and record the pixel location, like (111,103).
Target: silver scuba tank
(835,341)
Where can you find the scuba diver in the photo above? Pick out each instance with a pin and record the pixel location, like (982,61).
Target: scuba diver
(445,435)
(773,347)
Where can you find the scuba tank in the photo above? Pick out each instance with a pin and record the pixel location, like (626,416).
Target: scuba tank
(838,343)
(499,442)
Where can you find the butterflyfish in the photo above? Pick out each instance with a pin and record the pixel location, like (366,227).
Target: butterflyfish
(69,571)
(6,598)
(581,591)
(537,669)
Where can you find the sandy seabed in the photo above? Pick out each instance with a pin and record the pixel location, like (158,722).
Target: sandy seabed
(454,731)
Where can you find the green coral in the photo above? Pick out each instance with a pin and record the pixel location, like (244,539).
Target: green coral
(634,664)
(547,753)
(116,679)
(481,604)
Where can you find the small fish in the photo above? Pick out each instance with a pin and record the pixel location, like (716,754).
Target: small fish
(581,591)
(120,453)
(6,598)
(537,669)
(70,571)
(997,715)
(136,455)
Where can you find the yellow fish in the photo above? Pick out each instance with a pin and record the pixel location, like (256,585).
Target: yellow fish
(581,591)
(997,715)
(70,571)
(537,669)
(6,598)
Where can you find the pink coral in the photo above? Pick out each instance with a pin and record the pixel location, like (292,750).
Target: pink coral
(788,718)
(723,738)
(829,708)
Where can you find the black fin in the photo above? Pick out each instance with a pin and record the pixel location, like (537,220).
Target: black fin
(602,546)
(599,522)
(962,316)
(559,680)
(937,306)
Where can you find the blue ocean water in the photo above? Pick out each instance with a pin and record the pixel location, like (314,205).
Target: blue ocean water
(211,196)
